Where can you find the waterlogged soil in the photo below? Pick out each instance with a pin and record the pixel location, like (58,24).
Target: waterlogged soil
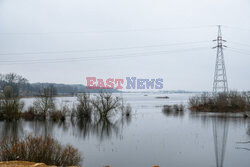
(150,137)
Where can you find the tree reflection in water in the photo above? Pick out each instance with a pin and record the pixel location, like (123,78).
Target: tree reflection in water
(21,127)
(104,128)
(11,128)
(168,110)
(47,127)
(101,128)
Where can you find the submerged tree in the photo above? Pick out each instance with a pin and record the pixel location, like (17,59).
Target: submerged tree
(10,105)
(93,114)
(105,103)
(45,102)
(84,108)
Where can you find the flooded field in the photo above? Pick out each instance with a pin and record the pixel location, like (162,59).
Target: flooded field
(150,137)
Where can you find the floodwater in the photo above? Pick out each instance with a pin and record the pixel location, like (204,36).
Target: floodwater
(150,137)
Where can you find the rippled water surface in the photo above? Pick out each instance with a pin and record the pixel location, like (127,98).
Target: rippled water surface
(150,137)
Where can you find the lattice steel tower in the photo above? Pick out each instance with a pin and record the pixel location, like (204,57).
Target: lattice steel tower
(220,77)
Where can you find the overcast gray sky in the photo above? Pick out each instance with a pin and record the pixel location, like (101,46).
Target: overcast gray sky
(169,39)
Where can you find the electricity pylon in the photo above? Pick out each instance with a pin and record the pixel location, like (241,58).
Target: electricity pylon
(220,77)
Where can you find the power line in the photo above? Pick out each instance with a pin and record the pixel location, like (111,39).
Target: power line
(108,31)
(98,50)
(240,52)
(239,43)
(100,58)
(237,28)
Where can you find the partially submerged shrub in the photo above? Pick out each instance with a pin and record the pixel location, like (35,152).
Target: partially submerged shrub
(99,107)
(221,102)
(177,107)
(10,105)
(92,114)
(10,108)
(105,103)
(45,103)
(167,108)
(59,115)
(175,110)
(30,114)
(38,149)
(84,107)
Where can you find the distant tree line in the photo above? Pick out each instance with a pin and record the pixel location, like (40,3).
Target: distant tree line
(21,86)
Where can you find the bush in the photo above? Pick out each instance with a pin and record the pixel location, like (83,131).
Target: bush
(10,105)
(105,103)
(84,107)
(30,114)
(57,115)
(38,149)
(60,115)
(175,110)
(177,107)
(101,105)
(45,103)
(221,102)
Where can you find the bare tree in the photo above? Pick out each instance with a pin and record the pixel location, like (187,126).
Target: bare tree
(18,83)
(10,105)
(45,102)
(84,108)
(104,103)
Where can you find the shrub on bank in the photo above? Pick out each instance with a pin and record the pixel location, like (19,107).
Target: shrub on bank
(38,149)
